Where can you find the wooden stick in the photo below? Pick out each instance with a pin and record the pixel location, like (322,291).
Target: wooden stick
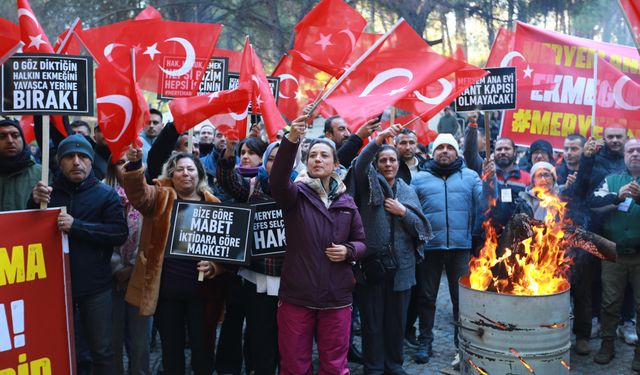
(45,155)
(595,92)
(11,52)
(68,36)
(392,116)
(190,141)
(355,64)
(487,135)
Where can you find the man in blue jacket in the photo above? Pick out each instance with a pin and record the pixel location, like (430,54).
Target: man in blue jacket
(95,223)
(449,194)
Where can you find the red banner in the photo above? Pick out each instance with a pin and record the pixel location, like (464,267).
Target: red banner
(36,320)
(556,87)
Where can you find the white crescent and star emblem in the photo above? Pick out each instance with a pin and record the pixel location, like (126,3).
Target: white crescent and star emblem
(506,60)
(189,61)
(109,48)
(28,13)
(619,98)
(283,77)
(324,41)
(349,34)
(447,88)
(240,116)
(384,76)
(122,102)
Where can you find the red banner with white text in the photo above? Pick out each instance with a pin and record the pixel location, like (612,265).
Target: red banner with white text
(36,320)
(556,87)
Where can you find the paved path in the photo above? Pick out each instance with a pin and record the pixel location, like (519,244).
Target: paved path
(443,350)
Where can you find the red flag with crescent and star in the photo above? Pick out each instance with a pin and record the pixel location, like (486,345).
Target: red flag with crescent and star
(262,100)
(555,81)
(631,10)
(618,101)
(166,52)
(401,64)
(226,110)
(299,85)
(33,36)
(326,37)
(122,109)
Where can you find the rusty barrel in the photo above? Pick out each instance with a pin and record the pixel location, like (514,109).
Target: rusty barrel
(511,334)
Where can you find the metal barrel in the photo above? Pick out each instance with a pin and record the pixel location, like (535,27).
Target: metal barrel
(511,334)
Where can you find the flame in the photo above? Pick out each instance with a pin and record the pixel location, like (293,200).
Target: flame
(480,370)
(538,265)
(524,363)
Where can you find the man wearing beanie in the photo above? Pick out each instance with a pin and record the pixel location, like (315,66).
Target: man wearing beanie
(540,150)
(18,171)
(95,223)
(449,194)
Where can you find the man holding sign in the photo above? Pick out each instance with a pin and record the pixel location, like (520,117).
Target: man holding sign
(95,223)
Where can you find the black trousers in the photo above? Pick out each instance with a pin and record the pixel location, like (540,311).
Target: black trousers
(230,343)
(175,309)
(262,331)
(383,319)
(456,265)
(583,273)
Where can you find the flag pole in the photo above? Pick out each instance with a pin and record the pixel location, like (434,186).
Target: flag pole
(67,37)
(628,22)
(392,116)
(595,93)
(45,155)
(355,65)
(11,52)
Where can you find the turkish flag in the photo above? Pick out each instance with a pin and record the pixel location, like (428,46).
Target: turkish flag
(8,46)
(631,10)
(401,64)
(225,109)
(31,33)
(458,53)
(428,101)
(617,103)
(122,109)
(327,36)
(149,13)
(262,100)
(71,45)
(299,85)
(9,29)
(168,51)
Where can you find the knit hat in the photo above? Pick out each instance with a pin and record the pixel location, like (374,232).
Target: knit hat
(543,145)
(75,143)
(543,165)
(15,124)
(447,139)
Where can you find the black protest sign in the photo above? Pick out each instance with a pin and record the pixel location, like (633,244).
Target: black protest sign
(268,230)
(211,231)
(274,82)
(47,85)
(215,77)
(495,91)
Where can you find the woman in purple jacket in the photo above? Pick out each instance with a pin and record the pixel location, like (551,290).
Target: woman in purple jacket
(324,236)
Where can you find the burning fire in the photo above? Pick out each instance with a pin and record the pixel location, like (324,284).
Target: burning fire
(537,266)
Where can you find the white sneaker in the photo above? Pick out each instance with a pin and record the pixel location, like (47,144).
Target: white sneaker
(595,328)
(456,361)
(627,331)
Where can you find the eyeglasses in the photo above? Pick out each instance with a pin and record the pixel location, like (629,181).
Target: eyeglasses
(544,175)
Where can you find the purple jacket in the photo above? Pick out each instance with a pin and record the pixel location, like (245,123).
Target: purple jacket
(309,278)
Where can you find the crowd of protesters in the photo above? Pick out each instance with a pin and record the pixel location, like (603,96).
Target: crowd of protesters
(371,219)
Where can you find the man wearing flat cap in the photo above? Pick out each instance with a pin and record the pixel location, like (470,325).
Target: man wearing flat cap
(95,223)
(18,171)
(450,194)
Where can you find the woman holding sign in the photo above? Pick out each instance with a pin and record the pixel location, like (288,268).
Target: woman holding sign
(324,235)
(261,280)
(170,287)
(396,231)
